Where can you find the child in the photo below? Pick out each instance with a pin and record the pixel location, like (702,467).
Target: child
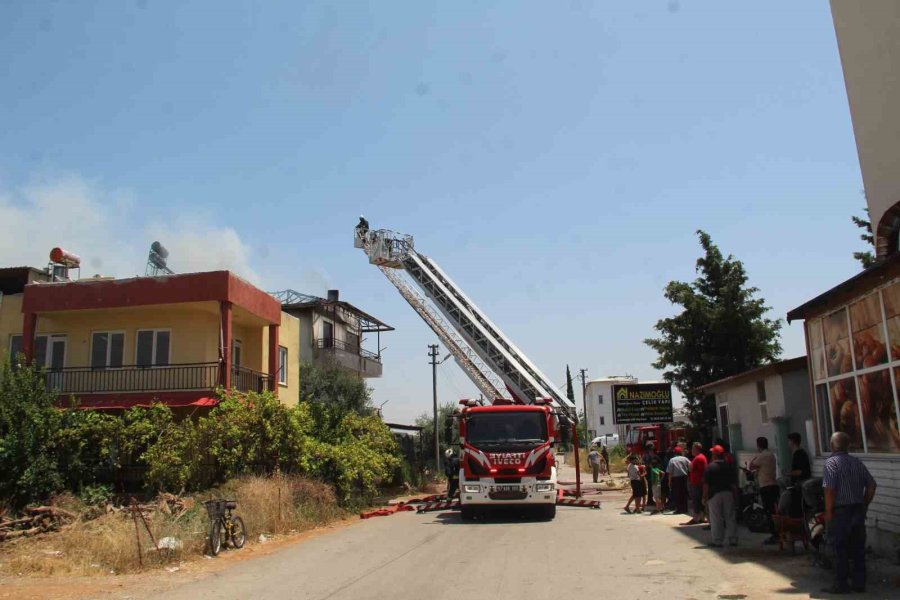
(638,488)
(656,478)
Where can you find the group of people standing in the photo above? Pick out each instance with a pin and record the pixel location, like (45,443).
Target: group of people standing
(671,482)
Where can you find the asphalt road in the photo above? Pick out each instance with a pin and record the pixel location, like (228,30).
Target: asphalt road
(583,553)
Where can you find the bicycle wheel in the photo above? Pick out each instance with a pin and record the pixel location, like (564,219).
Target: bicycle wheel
(214,540)
(238,532)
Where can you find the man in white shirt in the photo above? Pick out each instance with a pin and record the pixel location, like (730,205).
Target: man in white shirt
(763,465)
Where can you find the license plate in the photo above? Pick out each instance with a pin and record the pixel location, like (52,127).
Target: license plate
(508,488)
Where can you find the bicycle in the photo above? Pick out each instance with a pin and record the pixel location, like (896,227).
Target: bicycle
(223,526)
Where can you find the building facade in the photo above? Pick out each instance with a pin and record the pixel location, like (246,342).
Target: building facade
(335,332)
(599,406)
(770,401)
(115,343)
(853,330)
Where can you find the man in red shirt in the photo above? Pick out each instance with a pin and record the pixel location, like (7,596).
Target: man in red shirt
(695,481)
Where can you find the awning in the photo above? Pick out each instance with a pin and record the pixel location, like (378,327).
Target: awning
(124,402)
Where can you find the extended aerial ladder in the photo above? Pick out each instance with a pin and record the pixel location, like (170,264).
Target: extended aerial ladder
(484,352)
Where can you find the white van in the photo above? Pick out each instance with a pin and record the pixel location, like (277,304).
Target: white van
(610,439)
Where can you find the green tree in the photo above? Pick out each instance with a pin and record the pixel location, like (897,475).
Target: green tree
(570,390)
(866,258)
(332,393)
(581,430)
(721,330)
(448,431)
(29,468)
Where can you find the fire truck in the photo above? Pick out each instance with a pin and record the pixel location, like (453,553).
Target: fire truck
(506,446)
(661,435)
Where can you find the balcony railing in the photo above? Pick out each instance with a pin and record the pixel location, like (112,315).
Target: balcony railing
(248,380)
(133,378)
(323,343)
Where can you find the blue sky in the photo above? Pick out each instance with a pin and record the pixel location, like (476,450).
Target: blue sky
(554,158)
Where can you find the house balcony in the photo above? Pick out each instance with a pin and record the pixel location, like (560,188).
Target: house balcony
(190,384)
(348,356)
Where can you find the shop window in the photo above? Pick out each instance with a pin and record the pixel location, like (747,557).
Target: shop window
(845,411)
(817,346)
(891,297)
(837,343)
(869,349)
(876,400)
(823,416)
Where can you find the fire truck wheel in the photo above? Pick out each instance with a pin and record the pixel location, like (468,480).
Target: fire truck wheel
(548,512)
(467,513)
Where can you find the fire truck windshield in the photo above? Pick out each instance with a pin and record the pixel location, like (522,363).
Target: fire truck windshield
(506,428)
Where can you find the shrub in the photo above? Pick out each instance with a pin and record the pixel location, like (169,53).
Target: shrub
(28,425)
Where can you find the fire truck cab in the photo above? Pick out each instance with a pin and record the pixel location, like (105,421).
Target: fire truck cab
(506,457)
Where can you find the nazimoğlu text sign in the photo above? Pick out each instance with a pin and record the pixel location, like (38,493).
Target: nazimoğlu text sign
(642,403)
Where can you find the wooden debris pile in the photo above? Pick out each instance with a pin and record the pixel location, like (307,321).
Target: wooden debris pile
(168,504)
(35,520)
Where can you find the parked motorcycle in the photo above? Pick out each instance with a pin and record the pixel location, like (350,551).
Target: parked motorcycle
(751,512)
(814,517)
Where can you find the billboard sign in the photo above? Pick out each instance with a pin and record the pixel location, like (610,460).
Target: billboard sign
(642,403)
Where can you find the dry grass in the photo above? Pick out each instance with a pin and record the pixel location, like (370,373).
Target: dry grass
(108,544)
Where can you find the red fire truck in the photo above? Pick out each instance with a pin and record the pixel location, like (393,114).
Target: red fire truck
(662,435)
(506,457)
(506,449)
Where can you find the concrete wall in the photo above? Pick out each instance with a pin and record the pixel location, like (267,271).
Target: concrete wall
(868,35)
(10,319)
(288,337)
(194,332)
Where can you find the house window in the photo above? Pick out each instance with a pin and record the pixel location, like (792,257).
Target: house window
(153,346)
(600,398)
(603,420)
(723,423)
(763,403)
(282,365)
(107,349)
(49,350)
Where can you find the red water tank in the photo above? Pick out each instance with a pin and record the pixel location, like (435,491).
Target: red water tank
(61,257)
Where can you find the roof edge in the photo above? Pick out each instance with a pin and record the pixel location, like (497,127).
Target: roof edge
(776,368)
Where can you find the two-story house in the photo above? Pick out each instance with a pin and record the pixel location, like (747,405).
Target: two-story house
(116,343)
(333,331)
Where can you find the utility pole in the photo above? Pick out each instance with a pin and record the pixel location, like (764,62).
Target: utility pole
(575,436)
(433,353)
(583,378)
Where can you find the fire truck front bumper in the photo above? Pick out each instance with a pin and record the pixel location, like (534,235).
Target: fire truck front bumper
(492,492)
